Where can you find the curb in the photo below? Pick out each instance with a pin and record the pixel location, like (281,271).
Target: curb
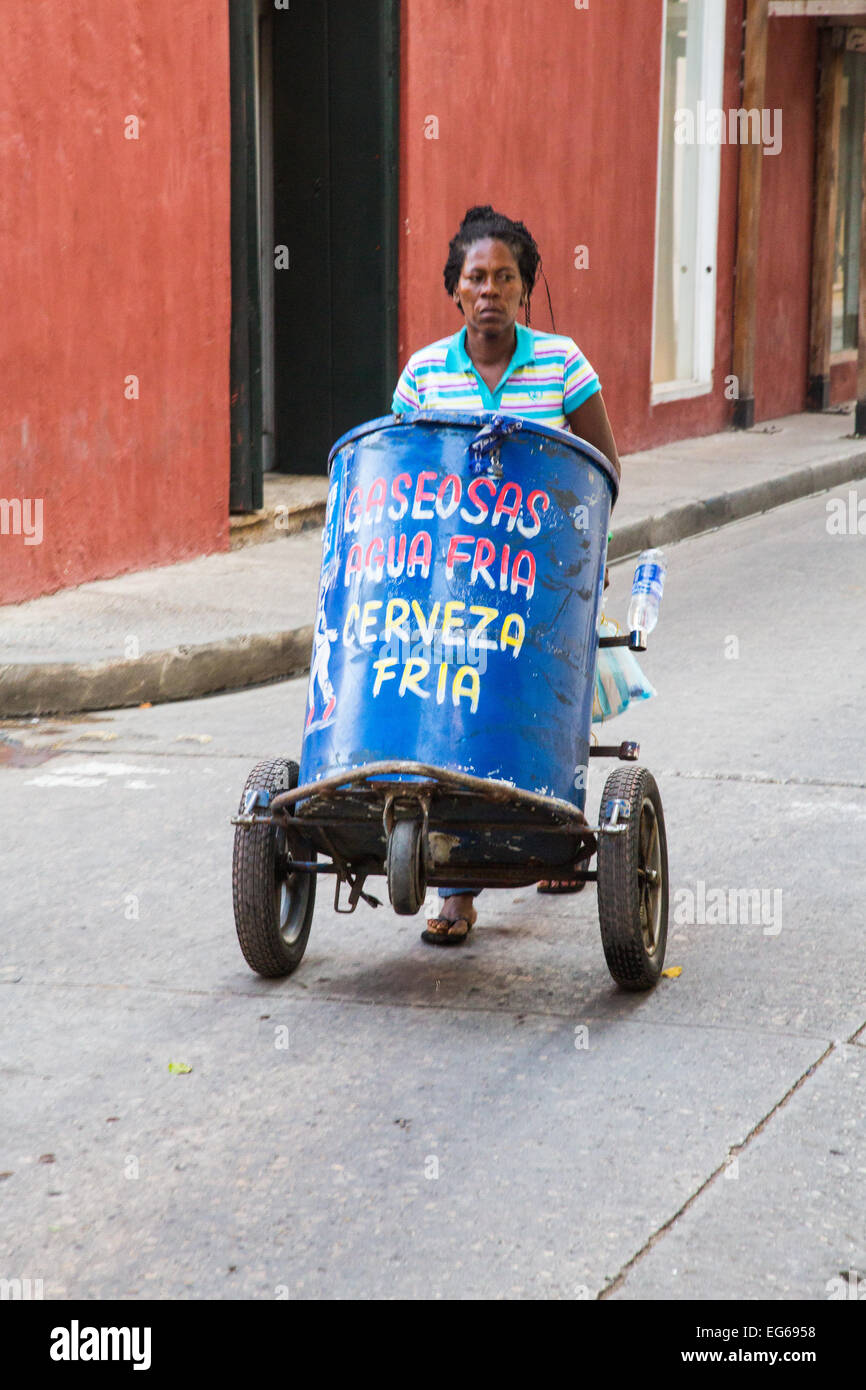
(260,528)
(186,673)
(694,518)
(180,673)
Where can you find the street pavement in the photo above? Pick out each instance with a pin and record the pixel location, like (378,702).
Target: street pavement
(497,1121)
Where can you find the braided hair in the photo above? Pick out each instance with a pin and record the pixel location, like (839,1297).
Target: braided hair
(481,222)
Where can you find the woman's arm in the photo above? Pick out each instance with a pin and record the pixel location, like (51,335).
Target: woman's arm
(590,422)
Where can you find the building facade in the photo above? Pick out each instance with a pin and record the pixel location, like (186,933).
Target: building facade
(116,291)
(224,227)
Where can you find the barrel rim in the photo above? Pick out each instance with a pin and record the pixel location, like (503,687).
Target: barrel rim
(479,418)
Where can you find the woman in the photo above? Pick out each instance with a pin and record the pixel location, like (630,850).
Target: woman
(494,363)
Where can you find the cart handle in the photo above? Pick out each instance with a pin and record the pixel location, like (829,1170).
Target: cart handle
(463,781)
(488,440)
(635,641)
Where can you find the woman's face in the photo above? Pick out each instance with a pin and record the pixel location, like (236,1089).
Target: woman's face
(490,290)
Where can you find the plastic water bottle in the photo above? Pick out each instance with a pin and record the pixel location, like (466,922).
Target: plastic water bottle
(646,593)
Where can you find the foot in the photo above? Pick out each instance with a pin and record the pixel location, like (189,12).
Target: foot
(457,917)
(561,885)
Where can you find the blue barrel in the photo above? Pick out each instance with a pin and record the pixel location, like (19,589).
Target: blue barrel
(462,571)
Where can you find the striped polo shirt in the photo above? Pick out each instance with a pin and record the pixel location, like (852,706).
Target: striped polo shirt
(547,378)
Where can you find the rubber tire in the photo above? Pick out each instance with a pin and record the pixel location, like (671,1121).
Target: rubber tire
(631,964)
(260,854)
(407,876)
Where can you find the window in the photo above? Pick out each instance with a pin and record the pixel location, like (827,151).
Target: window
(847,268)
(688,198)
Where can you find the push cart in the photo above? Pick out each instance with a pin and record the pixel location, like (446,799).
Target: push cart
(447,731)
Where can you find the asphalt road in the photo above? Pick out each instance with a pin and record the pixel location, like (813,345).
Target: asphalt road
(496,1121)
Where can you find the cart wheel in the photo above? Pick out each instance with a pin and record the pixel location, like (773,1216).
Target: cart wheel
(407,873)
(633,880)
(273,906)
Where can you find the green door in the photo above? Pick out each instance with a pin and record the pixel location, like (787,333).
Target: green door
(335,71)
(314,230)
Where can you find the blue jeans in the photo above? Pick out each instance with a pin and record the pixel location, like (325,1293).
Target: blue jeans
(455,892)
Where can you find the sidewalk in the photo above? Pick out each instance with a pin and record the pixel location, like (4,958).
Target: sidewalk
(236,619)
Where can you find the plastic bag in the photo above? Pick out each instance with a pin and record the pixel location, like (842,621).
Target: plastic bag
(618,678)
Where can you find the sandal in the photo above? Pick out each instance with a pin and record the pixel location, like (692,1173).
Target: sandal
(445,931)
(560,885)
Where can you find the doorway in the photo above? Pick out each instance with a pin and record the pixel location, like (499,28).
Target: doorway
(314,230)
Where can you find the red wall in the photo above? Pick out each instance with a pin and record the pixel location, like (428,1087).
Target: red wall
(843,382)
(551,114)
(114,258)
(785,233)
